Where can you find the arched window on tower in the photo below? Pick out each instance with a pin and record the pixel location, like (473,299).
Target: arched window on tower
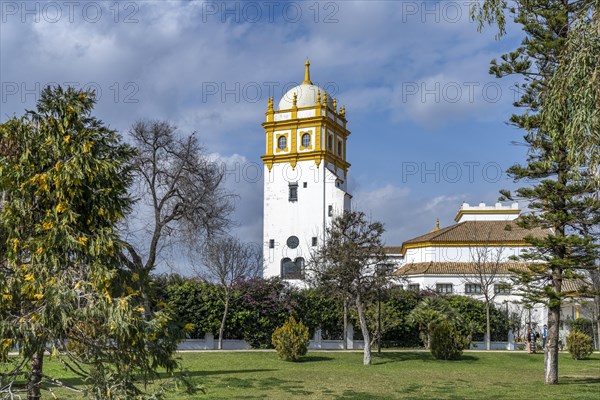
(282,142)
(292,269)
(306,140)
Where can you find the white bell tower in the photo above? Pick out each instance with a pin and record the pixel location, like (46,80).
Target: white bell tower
(305,176)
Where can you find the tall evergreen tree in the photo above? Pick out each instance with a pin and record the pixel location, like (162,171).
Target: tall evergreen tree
(64,178)
(560,117)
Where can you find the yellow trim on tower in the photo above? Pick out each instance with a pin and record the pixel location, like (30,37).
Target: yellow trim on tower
(277,149)
(301,136)
(325,121)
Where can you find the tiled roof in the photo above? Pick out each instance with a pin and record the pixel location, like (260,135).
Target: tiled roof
(576,285)
(392,249)
(479,231)
(458,268)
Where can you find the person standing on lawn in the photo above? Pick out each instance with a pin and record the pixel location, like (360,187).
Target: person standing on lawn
(544,334)
(531,337)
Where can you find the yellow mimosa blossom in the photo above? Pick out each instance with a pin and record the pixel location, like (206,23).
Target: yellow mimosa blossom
(140,309)
(38,296)
(82,240)
(61,207)
(40,250)
(107,295)
(7,297)
(87,147)
(68,138)
(47,225)
(15,244)
(28,277)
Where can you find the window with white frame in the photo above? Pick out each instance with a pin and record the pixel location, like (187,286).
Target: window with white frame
(472,288)
(502,288)
(414,286)
(445,288)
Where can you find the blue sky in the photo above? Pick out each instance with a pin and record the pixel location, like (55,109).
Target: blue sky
(428,123)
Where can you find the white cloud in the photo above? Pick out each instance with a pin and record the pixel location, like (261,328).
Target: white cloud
(167,60)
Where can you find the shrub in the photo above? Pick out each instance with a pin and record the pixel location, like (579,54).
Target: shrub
(583,325)
(579,345)
(290,340)
(446,342)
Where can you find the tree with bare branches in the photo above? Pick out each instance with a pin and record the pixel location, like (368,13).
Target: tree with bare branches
(227,260)
(485,265)
(181,186)
(348,262)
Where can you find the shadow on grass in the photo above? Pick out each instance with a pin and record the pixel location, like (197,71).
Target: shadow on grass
(266,384)
(307,359)
(226,372)
(571,380)
(352,395)
(388,357)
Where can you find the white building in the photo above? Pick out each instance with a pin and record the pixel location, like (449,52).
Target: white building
(474,254)
(305,175)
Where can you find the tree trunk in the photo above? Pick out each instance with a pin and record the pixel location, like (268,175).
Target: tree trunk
(33,386)
(345,341)
(222,328)
(488,330)
(597,301)
(551,350)
(360,307)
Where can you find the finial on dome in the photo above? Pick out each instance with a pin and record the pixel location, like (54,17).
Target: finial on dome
(343,111)
(325,99)
(319,96)
(270,104)
(295,102)
(307,73)
(334,104)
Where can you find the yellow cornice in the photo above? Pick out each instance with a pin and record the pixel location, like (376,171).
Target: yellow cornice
(318,107)
(421,245)
(316,156)
(479,212)
(303,123)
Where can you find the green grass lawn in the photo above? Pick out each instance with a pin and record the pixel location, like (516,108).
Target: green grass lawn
(393,375)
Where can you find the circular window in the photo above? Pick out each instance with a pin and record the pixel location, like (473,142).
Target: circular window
(293,242)
(282,142)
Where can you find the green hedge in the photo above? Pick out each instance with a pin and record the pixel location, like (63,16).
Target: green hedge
(259,306)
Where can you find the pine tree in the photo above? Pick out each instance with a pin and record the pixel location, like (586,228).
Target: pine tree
(64,179)
(561,107)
